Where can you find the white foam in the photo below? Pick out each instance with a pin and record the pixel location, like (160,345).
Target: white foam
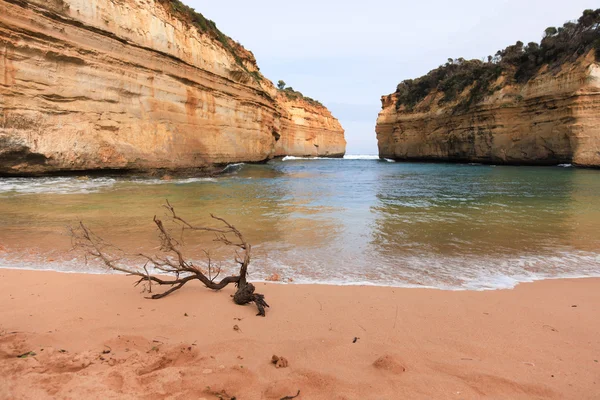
(62,185)
(448,273)
(232,167)
(565,165)
(74,185)
(172,181)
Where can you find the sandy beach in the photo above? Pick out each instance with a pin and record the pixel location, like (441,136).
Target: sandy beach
(95,336)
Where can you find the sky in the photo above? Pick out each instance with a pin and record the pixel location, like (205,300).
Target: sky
(347,54)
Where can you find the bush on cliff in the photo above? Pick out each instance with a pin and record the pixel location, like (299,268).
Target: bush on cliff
(209,27)
(292,94)
(518,62)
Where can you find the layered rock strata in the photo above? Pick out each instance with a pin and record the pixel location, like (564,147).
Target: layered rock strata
(552,119)
(309,130)
(130,85)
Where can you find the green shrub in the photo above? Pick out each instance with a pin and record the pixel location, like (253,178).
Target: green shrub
(292,94)
(208,27)
(517,62)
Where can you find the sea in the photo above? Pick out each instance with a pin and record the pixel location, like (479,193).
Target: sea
(359,220)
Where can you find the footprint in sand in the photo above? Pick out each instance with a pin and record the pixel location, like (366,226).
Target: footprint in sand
(390,364)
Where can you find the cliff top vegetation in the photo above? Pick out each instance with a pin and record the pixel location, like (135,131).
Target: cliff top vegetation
(519,63)
(292,94)
(209,27)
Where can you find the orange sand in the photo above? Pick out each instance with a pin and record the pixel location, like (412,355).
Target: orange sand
(96,337)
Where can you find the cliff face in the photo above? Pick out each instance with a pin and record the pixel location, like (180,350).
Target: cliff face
(99,84)
(551,119)
(310,130)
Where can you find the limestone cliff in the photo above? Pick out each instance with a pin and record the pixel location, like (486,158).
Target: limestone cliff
(135,85)
(534,104)
(552,119)
(310,130)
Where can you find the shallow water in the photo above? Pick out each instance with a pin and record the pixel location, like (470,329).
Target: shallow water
(353,221)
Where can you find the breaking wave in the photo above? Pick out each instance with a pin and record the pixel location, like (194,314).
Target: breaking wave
(63,185)
(232,168)
(80,185)
(452,274)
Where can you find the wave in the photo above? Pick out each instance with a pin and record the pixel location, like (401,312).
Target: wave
(79,185)
(565,165)
(483,282)
(232,168)
(63,185)
(453,274)
(174,181)
(472,273)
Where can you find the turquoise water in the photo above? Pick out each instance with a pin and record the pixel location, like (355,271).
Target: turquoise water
(351,221)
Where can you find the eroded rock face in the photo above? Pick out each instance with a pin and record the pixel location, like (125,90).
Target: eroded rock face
(550,120)
(99,84)
(310,131)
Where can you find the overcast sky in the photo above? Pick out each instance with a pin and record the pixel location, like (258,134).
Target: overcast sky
(347,54)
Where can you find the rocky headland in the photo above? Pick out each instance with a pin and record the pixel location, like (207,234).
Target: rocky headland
(301,138)
(139,85)
(535,104)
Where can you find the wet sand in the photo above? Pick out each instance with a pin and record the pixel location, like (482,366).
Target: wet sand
(96,336)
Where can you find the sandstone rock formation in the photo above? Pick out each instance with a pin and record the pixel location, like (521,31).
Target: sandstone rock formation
(309,130)
(551,119)
(131,85)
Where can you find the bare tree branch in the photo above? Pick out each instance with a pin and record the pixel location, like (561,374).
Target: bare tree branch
(173,262)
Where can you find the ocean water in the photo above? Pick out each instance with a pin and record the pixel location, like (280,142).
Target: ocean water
(358,220)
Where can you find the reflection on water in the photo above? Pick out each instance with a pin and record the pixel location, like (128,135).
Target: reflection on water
(462,225)
(338,221)
(493,211)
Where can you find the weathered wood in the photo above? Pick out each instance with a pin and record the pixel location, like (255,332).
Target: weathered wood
(182,271)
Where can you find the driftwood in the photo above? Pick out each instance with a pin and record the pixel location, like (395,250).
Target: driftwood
(174,264)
